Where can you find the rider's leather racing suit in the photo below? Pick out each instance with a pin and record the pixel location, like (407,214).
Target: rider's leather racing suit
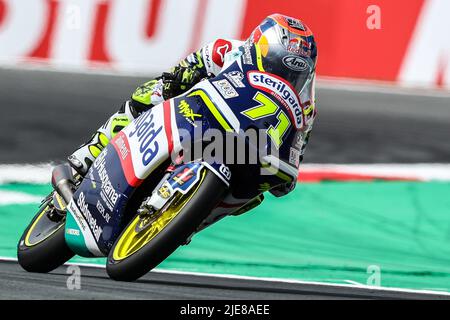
(206,62)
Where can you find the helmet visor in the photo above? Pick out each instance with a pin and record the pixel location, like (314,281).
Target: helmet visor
(292,67)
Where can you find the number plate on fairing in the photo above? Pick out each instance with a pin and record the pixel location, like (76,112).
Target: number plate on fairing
(181,180)
(184,177)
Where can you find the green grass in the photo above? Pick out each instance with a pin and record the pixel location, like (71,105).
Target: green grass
(328,232)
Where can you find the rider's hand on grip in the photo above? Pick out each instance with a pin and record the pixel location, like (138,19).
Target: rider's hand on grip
(179,80)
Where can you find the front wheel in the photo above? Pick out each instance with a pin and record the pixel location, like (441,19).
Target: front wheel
(42,246)
(146,242)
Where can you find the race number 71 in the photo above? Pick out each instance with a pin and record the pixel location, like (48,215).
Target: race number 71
(265,108)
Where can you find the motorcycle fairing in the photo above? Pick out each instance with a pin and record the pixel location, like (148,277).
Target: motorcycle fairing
(96,212)
(94,222)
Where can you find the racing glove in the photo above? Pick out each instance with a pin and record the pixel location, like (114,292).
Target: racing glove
(179,80)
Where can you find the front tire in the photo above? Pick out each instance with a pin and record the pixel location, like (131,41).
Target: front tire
(42,247)
(128,264)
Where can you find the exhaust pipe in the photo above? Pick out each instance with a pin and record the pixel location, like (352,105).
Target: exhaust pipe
(62,181)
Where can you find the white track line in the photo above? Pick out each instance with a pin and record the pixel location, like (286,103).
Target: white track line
(41,173)
(13,197)
(282,280)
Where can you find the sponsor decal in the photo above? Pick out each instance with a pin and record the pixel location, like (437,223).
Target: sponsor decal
(247,57)
(142,90)
(77,215)
(120,143)
(235,77)
(225,89)
(193,59)
(256,35)
(107,192)
(295,63)
(102,211)
(183,176)
(73,232)
(125,155)
(299,46)
(145,133)
(186,111)
(221,47)
(294,157)
(225,171)
(299,140)
(207,57)
(281,90)
(221,51)
(233,56)
(92,222)
(158,89)
(120,121)
(296,24)
(164,191)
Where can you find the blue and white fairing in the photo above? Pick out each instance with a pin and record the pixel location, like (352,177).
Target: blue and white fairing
(94,218)
(96,213)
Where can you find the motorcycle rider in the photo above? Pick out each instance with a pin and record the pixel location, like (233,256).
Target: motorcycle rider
(291,33)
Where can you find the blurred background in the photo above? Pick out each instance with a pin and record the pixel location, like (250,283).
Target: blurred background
(372,205)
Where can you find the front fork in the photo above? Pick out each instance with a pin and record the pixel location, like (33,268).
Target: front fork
(65,183)
(179,178)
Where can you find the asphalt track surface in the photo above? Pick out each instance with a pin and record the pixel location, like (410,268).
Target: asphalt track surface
(45,115)
(95,284)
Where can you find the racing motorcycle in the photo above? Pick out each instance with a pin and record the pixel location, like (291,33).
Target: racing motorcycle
(143,197)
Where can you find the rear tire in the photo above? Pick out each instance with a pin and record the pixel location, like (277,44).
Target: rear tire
(47,254)
(174,234)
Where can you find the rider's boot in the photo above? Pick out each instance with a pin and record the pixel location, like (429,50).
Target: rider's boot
(84,156)
(144,97)
(251,204)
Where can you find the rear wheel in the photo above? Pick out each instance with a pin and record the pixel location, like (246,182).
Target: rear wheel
(42,246)
(147,241)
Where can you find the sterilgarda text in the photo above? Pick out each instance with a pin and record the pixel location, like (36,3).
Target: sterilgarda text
(280,90)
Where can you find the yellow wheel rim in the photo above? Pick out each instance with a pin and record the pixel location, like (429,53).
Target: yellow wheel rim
(27,237)
(142,230)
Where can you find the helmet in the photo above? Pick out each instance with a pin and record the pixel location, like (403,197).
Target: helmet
(286,48)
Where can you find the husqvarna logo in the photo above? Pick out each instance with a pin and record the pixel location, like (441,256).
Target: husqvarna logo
(281,90)
(295,63)
(225,171)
